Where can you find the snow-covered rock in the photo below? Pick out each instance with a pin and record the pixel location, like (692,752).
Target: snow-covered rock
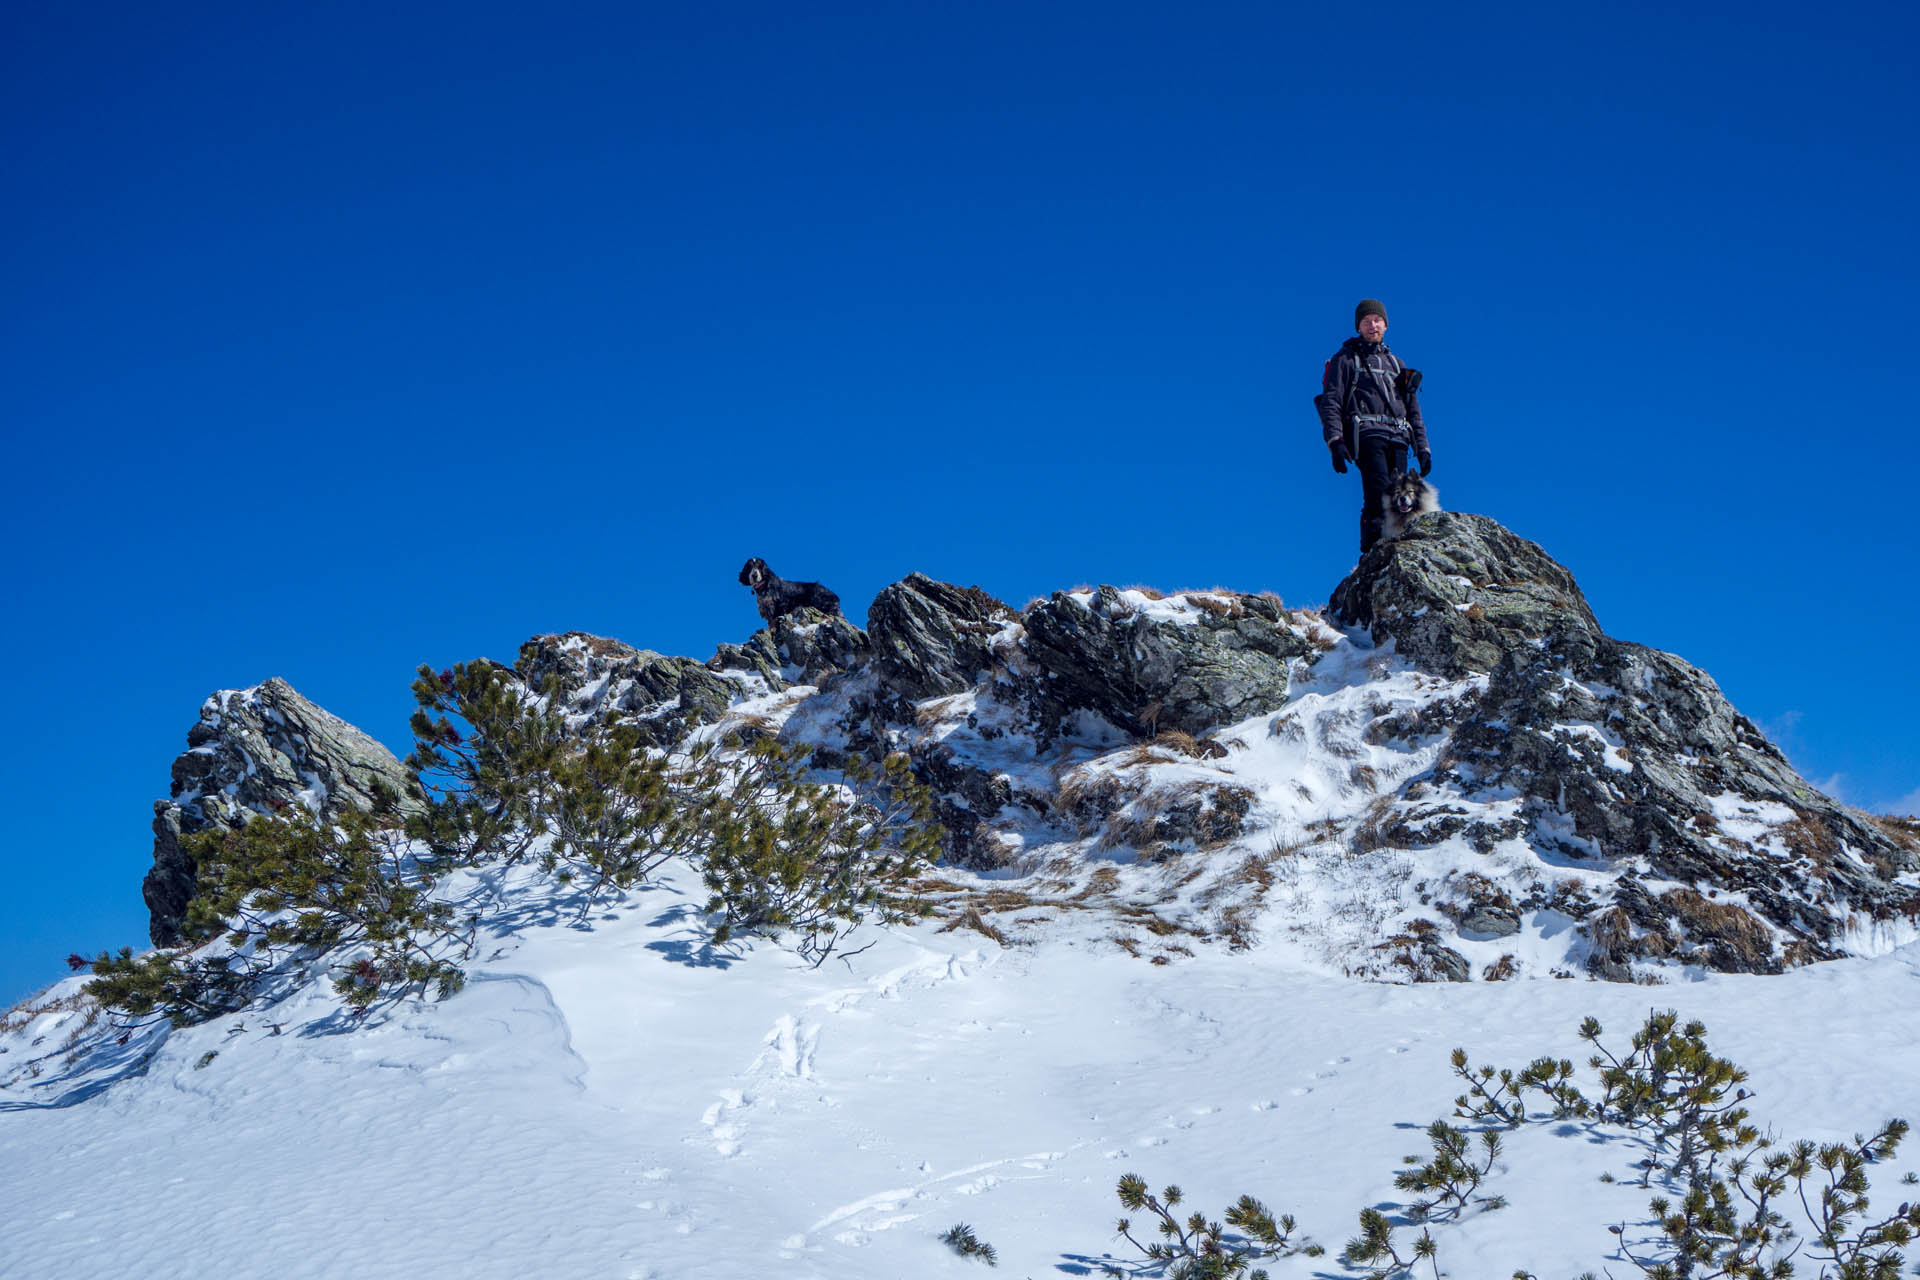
(257,750)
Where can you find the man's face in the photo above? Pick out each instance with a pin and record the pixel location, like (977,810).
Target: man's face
(1373,327)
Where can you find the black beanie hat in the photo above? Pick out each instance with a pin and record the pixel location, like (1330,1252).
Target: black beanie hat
(1369,307)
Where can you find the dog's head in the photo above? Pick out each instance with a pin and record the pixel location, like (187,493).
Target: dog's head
(1410,496)
(754,572)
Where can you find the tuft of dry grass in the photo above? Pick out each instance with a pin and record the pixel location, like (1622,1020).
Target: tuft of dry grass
(1904,832)
(1177,740)
(1806,836)
(1731,927)
(1151,593)
(1208,602)
(972,919)
(1500,970)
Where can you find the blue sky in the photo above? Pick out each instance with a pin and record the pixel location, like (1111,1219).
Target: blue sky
(343,338)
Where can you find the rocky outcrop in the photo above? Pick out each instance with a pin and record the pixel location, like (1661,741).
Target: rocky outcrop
(1484,762)
(1625,756)
(258,750)
(608,682)
(932,638)
(1458,593)
(1146,671)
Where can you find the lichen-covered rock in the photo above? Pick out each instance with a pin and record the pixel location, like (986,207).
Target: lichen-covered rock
(1458,593)
(932,638)
(259,750)
(1146,670)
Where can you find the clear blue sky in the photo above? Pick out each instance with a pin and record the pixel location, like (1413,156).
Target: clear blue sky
(343,338)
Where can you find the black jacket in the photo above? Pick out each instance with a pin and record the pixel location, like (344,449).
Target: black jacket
(1366,379)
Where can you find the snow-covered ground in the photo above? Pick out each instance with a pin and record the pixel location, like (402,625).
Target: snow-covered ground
(622,1101)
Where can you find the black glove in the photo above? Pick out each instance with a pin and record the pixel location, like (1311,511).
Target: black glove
(1426,463)
(1339,451)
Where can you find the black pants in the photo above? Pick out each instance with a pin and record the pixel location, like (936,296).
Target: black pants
(1381,462)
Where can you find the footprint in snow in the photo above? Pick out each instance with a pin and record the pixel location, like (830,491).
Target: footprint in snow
(722,1122)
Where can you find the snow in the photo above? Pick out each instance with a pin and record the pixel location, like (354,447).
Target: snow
(613,1096)
(623,1100)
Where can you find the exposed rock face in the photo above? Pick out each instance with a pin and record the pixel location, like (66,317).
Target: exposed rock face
(606,681)
(1460,592)
(1487,764)
(1148,673)
(257,751)
(1625,756)
(814,647)
(931,638)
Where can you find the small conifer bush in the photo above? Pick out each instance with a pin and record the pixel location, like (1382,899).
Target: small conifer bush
(289,887)
(961,1239)
(788,857)
(1199,1249)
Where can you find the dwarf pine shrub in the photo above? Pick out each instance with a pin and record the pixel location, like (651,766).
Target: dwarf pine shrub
(1681,1098)
(1376,1249)
(489,782)
(961,1239)
(288,887)
(612,813)
(1200,1249)
(1452,1174)
(785,856)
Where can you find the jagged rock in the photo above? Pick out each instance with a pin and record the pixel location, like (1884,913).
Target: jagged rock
(1458,593)
(1147,673)
(1623,753)
(258,750)
(813,647)
(757,657)
(931,638)
(966,801)
(605,681)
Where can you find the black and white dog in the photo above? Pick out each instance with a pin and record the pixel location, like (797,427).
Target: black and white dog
(1405,498)
(774,595)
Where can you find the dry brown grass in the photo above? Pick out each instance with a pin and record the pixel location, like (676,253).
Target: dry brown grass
(1151,593)
(1228,607)
(1806,836)
(971,919)
(1904,832)
(1177,740)
(1500,970)
(1732,926)
(1368,834)
(1476,612)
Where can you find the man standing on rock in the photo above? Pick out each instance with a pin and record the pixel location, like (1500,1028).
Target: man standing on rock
(1370,414)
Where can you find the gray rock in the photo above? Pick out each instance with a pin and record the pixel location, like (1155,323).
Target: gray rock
(253,751)
(1490,922)
(607,682)
(820,645)
(931,638)
(1146,675)
(1460,592)
(1621,751)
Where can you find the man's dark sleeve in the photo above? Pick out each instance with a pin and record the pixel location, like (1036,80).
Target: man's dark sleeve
(1333,394)
(1418,423)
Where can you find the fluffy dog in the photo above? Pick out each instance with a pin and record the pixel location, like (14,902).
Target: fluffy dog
(774,595)
(1405,498)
